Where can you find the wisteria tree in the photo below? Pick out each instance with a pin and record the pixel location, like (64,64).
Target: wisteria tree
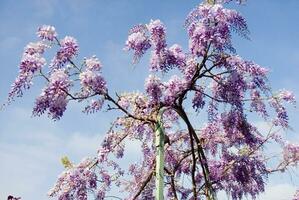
(188,160)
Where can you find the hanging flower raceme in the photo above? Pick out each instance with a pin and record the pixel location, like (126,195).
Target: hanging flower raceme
(173,88)
(68,49)
(153,87)
(142,37)
(212,25)
(54,97)
(93,63)
(75,182)
(31,63)
(47,32)
(291,154)
(91,79)
(244,177)
(138,41)
(157,35)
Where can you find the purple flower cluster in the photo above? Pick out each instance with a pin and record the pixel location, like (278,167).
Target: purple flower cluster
(142,37)
(211,25)
(93,63)
(47,32)
(237,129)
(173,88)
(198,99)
(153,87)
(75,182)
(244,177)
(291,153)
(94,106)
(32,61)
(54,96)
(138,41)
(91,79)
(68,49)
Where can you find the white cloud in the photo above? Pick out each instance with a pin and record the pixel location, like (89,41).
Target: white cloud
(30,152)
(279,192)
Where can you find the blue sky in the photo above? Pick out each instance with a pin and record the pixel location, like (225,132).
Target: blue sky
(30,148)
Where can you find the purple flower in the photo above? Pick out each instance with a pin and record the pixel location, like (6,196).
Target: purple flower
(35,48)
(257,104)
(138,41)
(54,97)
(94,106)
(212,25)
(93,81)
(46,32)
(153,87)
(173,88)
(198,99)
(287,96)
(30,64)
(157,35)
(68,49)
(93,63)
(75,182)
(291,153)
(168,58)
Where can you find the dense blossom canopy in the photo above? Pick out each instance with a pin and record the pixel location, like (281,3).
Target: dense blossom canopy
(223,154)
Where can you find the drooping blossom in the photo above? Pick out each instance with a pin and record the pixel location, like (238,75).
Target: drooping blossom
(46,32)
(287,96)
(211,25)
(75,182)
(31,63)
(173,88)
(291,154)
(93,63)
(257,103)
(198,99)
(157,35)
(68,49)
(54,97)
(94,106)
(93,81)
(138,41)
(35,48)
(153,87)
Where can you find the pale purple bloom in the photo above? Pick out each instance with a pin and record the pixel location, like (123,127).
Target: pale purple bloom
(173,88)
(212,25)
(157,35)
(93,81)
(93,63)
(138,41)
(153,87)
(35,48)
(54,97)
(198,99)
(287,96)
(291,153)
(257,103)
(68,49)
(46,32)
(94,106)
(75,182)
(30,65)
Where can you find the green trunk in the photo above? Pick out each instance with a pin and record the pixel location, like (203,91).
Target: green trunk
(159,159)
